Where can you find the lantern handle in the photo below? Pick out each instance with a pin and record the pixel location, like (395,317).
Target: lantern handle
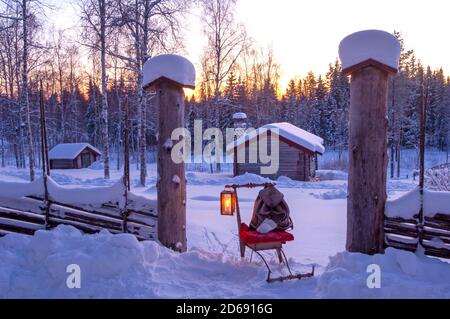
(249,185)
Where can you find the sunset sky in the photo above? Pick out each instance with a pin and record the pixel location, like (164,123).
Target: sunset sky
(305,34)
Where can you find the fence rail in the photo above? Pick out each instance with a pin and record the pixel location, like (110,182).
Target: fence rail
(26,215)
(409,234)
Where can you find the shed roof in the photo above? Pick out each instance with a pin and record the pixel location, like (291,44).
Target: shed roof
(290,132)
(70,150)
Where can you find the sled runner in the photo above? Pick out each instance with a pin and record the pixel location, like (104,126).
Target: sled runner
(258,242)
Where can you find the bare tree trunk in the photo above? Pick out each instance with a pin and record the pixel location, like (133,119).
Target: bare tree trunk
(399,152)
(63,111)
(391,159)
(104,112)
(126,153)
(141,51)
(142,123)
(121,119)
(2,147)
(19,131)
(25,100)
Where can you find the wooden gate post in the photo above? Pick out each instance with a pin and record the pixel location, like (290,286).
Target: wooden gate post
(370,57)
(165,76)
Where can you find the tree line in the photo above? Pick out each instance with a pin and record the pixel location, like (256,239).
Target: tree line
(88,76)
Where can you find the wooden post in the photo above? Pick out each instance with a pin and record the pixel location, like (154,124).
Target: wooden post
(171,177)
(367,142)
(166,76)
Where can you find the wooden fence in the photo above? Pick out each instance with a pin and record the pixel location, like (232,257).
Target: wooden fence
(433,234)
(25,215)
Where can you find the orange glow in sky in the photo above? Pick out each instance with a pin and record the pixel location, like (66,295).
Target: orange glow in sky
(305,34)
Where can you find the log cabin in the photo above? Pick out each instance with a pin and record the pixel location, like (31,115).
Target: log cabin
(298,151)
(73,156)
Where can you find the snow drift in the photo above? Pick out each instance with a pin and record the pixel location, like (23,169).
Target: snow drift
(409,204)
(118,266)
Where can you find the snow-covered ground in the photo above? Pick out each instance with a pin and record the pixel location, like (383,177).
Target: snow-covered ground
(119,266)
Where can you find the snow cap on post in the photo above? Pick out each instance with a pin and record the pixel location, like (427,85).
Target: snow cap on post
(375,48)
(239,116)
(171,67)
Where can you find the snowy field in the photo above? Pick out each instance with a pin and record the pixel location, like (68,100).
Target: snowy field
(119,266)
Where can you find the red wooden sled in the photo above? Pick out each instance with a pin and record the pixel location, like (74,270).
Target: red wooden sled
(261,242)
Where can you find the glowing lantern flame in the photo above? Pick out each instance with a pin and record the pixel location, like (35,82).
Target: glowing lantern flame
(227,202)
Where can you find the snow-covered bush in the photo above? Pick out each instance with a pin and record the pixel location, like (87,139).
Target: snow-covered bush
(438,179)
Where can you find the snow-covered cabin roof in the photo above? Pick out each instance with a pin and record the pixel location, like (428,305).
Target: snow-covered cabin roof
(290,132)
(172,67)
(70,150)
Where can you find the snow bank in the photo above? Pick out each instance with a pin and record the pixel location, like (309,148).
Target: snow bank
(64,194)
(333,194)
(197,179)
(370,44)
(403,275)
(331,175)
(405,206)
(85,195)
(112,266)
(118,266)
(172,67)
(408,205)
(97,166)
(436,203)
(19,189)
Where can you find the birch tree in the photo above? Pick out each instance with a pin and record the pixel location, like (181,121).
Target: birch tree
(25,12)
(152,26)
(226,42)
(96,17)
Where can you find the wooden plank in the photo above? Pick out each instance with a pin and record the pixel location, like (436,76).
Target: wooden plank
(24,216)
(433,237)
(89,229)
(16,221)
(436,225)
(443,217)
(401,232)
(436,232)
(440,253)
(401,220)
(391,224)
(400,245)
(109,211)
(20,227)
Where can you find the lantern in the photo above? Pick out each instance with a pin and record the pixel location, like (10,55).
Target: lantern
(227,202)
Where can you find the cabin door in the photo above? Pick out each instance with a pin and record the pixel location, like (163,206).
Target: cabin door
(85,160)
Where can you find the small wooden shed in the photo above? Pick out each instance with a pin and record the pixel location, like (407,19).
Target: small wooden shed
(298,151)
(73,156)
